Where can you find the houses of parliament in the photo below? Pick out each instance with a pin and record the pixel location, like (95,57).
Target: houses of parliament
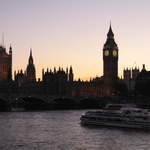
(61,81)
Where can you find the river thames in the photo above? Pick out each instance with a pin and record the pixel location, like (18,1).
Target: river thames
(61,130)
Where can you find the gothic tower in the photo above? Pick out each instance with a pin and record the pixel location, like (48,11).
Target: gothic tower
(110,63)
(71,75)
(10,64)
(30,72)
(5,64)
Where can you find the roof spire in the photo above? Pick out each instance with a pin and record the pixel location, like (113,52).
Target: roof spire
(143,69)
(30,57)
(110,33)
(10,49)
(30,52)
(71,70)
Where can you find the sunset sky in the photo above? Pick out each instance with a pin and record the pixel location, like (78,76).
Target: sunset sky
(72,32)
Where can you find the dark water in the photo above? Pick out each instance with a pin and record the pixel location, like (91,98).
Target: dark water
(60,130)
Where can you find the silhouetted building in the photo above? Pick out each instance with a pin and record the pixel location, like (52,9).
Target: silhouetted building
(110,63)
(61,82)
(5,64)
(93,88)
(56,82)
(31,72)
(127,74)
(142,84)
(28,76)
(20,77)
(135,73)
(109,82)
(129,77)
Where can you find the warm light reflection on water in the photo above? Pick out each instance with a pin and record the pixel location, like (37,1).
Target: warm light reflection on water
(60,130)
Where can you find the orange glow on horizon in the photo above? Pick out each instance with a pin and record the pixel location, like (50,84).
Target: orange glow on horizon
(73,33)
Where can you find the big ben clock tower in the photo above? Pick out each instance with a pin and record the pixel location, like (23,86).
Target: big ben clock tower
(110,63)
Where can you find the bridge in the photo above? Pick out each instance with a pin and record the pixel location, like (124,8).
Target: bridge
(10,98)
(38,101)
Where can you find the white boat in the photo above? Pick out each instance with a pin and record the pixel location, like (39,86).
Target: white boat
(13,109)
(125,116)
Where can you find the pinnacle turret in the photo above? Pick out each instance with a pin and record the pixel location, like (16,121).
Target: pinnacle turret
(10,50)
(71,70)
(30,57)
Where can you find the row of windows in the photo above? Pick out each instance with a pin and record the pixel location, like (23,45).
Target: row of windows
(4,68)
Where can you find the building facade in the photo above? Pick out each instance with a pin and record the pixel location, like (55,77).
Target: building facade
(57,82)
(129,77)
(5,64)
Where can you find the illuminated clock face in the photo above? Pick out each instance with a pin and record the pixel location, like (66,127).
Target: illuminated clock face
(106,53)
(114,53)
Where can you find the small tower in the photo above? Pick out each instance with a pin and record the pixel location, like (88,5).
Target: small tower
(143,69)
(10,50)
(15,75)
(31,72)
(127,78)
(127,74)
(135,72)
(47,70)
(71,75)
(67,73)
(54,70)
(42,74)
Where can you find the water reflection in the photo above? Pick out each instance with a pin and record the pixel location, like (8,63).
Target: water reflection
(61,130)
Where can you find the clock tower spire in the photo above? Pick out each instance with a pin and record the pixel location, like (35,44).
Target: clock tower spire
(110,62)
(110,33)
